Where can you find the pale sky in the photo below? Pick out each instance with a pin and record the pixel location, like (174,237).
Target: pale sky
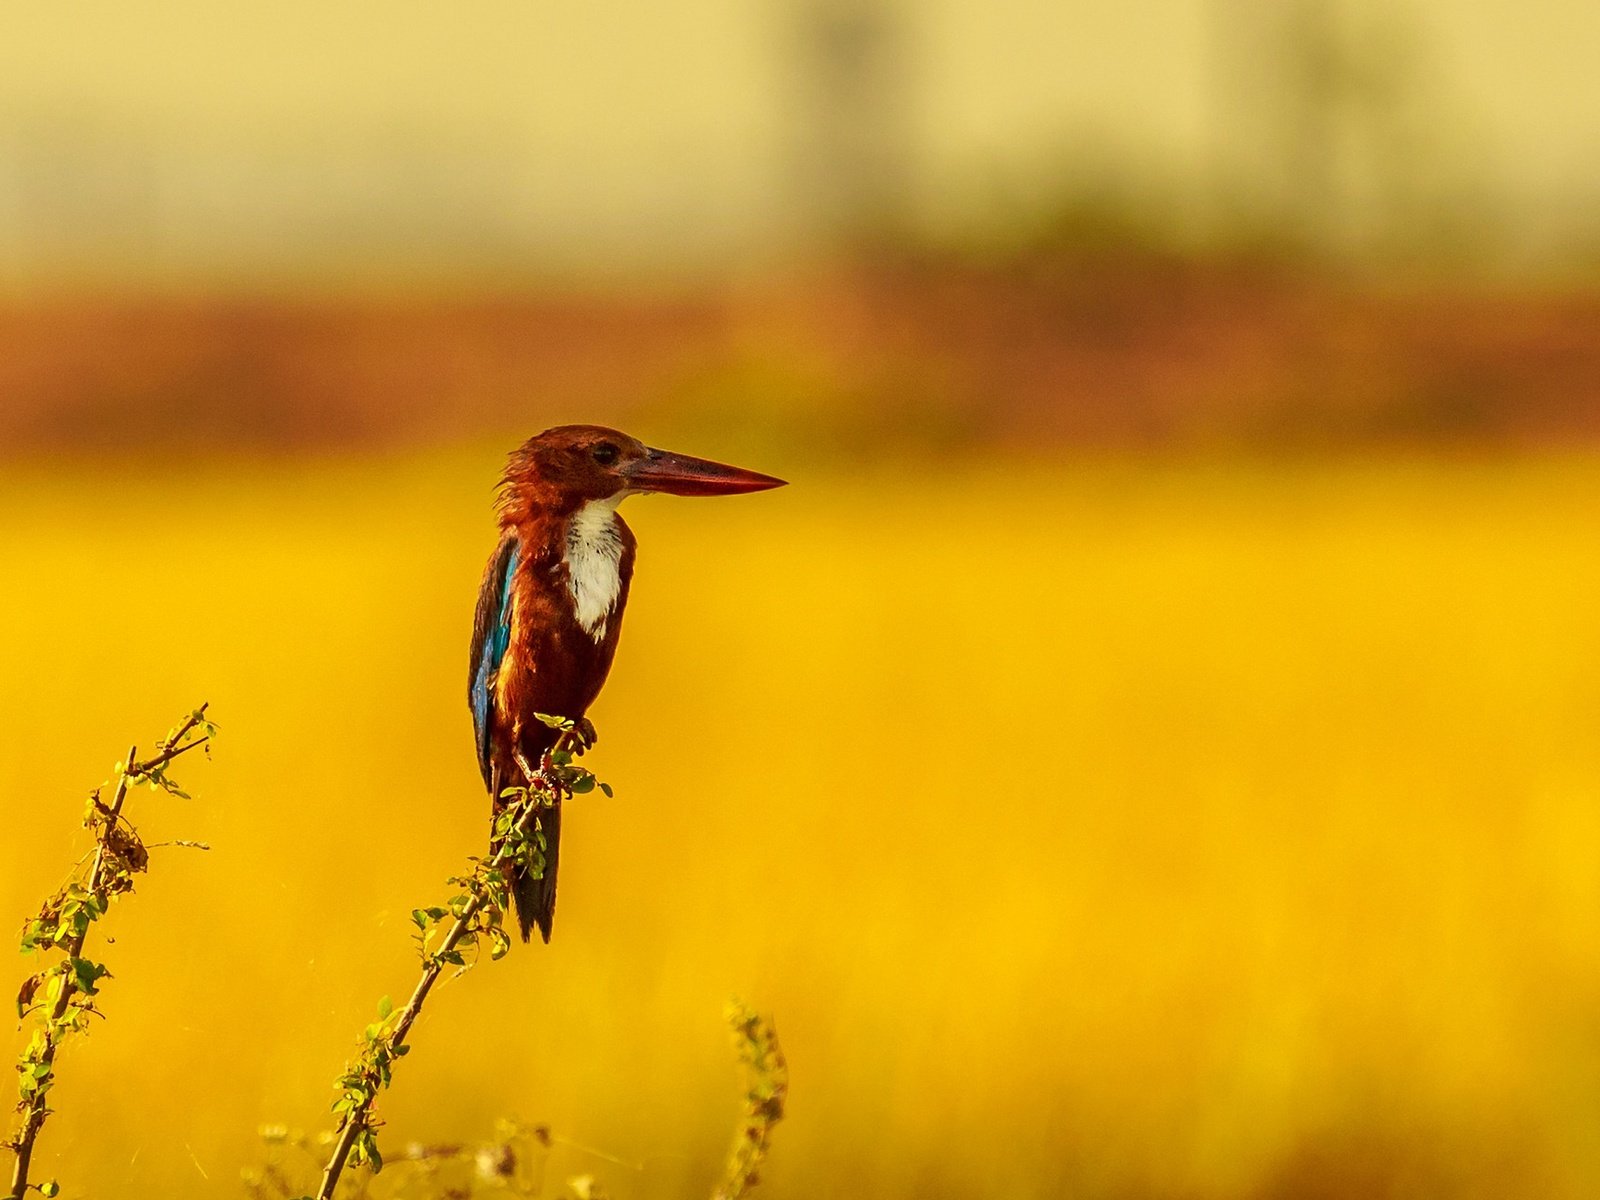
(188,136)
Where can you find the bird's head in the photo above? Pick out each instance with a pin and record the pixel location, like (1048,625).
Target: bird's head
(571,465)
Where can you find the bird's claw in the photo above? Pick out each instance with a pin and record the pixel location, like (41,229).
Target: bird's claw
(583,734)
(529,774)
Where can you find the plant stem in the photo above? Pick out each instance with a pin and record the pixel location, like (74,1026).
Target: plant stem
(34,1121)
(767,1091)
(358,1117)
(37,1110)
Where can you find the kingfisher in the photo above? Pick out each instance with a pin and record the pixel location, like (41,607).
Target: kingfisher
(550,607)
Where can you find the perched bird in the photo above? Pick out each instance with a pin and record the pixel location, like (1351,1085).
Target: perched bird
(550,608)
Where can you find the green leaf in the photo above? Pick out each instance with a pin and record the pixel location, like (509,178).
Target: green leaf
(87,975)
(606,788)
(385,1007)
(499,943)
(49,1188)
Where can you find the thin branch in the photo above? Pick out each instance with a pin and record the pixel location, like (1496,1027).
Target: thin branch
(117,854)
(33,1120)
(167,756)
(553,782)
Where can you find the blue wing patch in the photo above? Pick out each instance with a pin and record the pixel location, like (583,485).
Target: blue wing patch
(491,637)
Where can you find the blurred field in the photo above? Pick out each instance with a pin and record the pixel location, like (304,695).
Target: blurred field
(1120,346)
(1101,829)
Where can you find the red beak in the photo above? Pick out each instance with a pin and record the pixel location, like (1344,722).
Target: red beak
(681,475)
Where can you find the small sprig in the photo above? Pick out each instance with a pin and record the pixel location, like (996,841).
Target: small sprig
(509,1164)
(513,1162)
(61,996)
(767,1080)
(453,935)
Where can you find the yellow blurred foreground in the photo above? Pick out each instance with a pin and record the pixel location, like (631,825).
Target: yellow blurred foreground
(1103,830)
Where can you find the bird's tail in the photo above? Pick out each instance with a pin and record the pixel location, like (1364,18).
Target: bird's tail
(535,895)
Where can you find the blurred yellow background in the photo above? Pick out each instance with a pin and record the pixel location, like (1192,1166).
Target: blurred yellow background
(1147,752)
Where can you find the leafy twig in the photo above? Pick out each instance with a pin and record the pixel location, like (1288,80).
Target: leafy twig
(477,911)
(61,994)
(767,1076)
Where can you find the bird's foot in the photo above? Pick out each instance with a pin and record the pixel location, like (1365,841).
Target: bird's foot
(529,773)
(583,735)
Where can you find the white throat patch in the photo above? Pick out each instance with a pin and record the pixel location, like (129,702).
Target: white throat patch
(593,558)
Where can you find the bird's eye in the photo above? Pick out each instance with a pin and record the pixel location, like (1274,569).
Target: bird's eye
(606,453)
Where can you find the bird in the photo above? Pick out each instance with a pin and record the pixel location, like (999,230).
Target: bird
(549,610)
